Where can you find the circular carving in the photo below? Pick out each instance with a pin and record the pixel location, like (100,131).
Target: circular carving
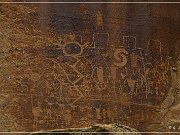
(72,49)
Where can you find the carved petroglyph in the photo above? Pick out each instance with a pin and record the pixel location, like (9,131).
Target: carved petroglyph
(37,112)
(120,56)
(80,76)
(131,84)
(134,60)
(99,20)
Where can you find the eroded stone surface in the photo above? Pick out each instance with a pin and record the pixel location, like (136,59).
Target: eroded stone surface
(72,66)
(98,129)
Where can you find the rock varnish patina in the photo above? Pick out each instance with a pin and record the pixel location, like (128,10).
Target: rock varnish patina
(66,66)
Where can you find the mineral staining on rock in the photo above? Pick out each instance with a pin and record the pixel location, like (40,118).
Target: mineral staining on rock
(62,68)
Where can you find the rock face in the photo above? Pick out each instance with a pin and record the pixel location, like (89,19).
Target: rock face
(98,129)
(76,65)
(169,115)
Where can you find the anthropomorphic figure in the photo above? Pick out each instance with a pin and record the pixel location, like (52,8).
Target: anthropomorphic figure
(99,20)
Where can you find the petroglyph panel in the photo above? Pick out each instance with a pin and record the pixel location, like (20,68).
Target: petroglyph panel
(75,65)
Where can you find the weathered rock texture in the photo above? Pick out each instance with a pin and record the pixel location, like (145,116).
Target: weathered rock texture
(76,65)
(98,129)
(169,115)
